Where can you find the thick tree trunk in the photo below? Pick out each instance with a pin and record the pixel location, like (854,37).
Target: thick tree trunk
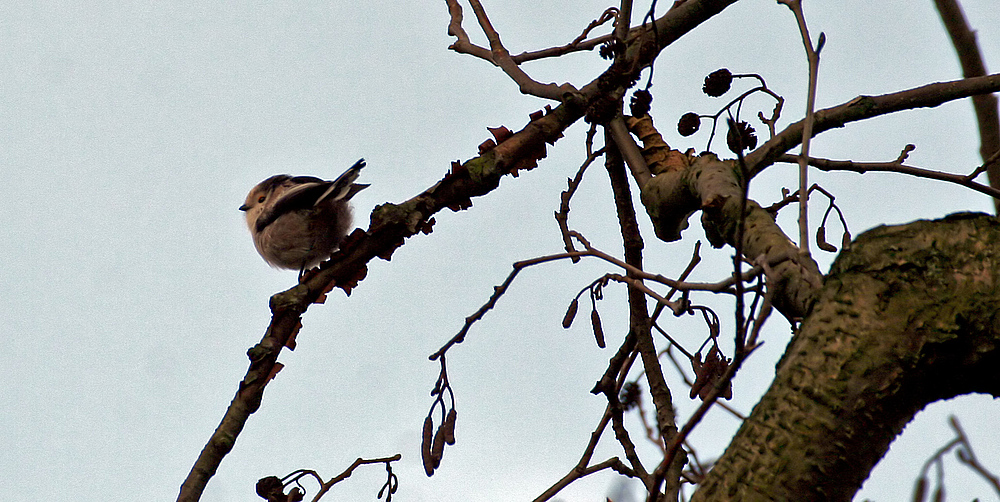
(909,315)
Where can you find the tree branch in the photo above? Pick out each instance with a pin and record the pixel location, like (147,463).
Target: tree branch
(812,54)
(895,167)
(865,107)
(639,322)
(391,224)
(985,105)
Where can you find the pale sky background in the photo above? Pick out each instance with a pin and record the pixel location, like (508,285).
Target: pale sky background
(131,289)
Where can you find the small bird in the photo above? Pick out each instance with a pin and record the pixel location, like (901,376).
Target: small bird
(298,221)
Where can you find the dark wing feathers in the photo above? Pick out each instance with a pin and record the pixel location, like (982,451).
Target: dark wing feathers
(300,197)
(343,186)
(310,192)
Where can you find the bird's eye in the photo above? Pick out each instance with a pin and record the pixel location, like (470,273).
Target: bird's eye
(261,199)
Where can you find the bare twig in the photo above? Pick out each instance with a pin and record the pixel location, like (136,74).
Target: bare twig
(620,365)
(738,101)
(807,130)
(895,167)
(965,455)
(723,286)
(498,54)
(350,470)
(562,215)
(639,322)
(674,444)
(865,107)
(463,44)
(578,44)
(964,40)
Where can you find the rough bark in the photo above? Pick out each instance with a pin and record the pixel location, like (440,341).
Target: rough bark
(906,317)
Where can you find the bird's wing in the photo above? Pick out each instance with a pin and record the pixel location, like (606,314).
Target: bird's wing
(344,187)
(301,196)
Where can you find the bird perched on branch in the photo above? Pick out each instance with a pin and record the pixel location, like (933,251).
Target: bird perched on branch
(298,221)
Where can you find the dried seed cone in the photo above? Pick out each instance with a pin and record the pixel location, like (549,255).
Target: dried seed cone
(921,490)
(425,446)
(570,314)
(449,427)
(437,447)
(821,241)
(595,319)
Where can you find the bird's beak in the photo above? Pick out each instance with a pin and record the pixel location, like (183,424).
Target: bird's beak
(244,207)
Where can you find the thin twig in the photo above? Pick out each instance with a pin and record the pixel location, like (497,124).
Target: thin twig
(562,215)
(895,167)
(639,322)
(578,44)
(350,470)
(674,445)
(807,130)
(620,365)
(866,107)
(985,105)
(501,58)
(723,286)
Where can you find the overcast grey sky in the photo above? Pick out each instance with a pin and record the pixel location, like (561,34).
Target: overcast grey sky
(131,289)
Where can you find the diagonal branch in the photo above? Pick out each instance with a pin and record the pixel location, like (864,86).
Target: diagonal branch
(964,40)
(391,224)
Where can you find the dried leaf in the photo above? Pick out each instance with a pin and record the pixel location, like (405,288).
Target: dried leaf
(708,373)
(349,283)
(486,146)
(290,343)
(500,133)
(274,371)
